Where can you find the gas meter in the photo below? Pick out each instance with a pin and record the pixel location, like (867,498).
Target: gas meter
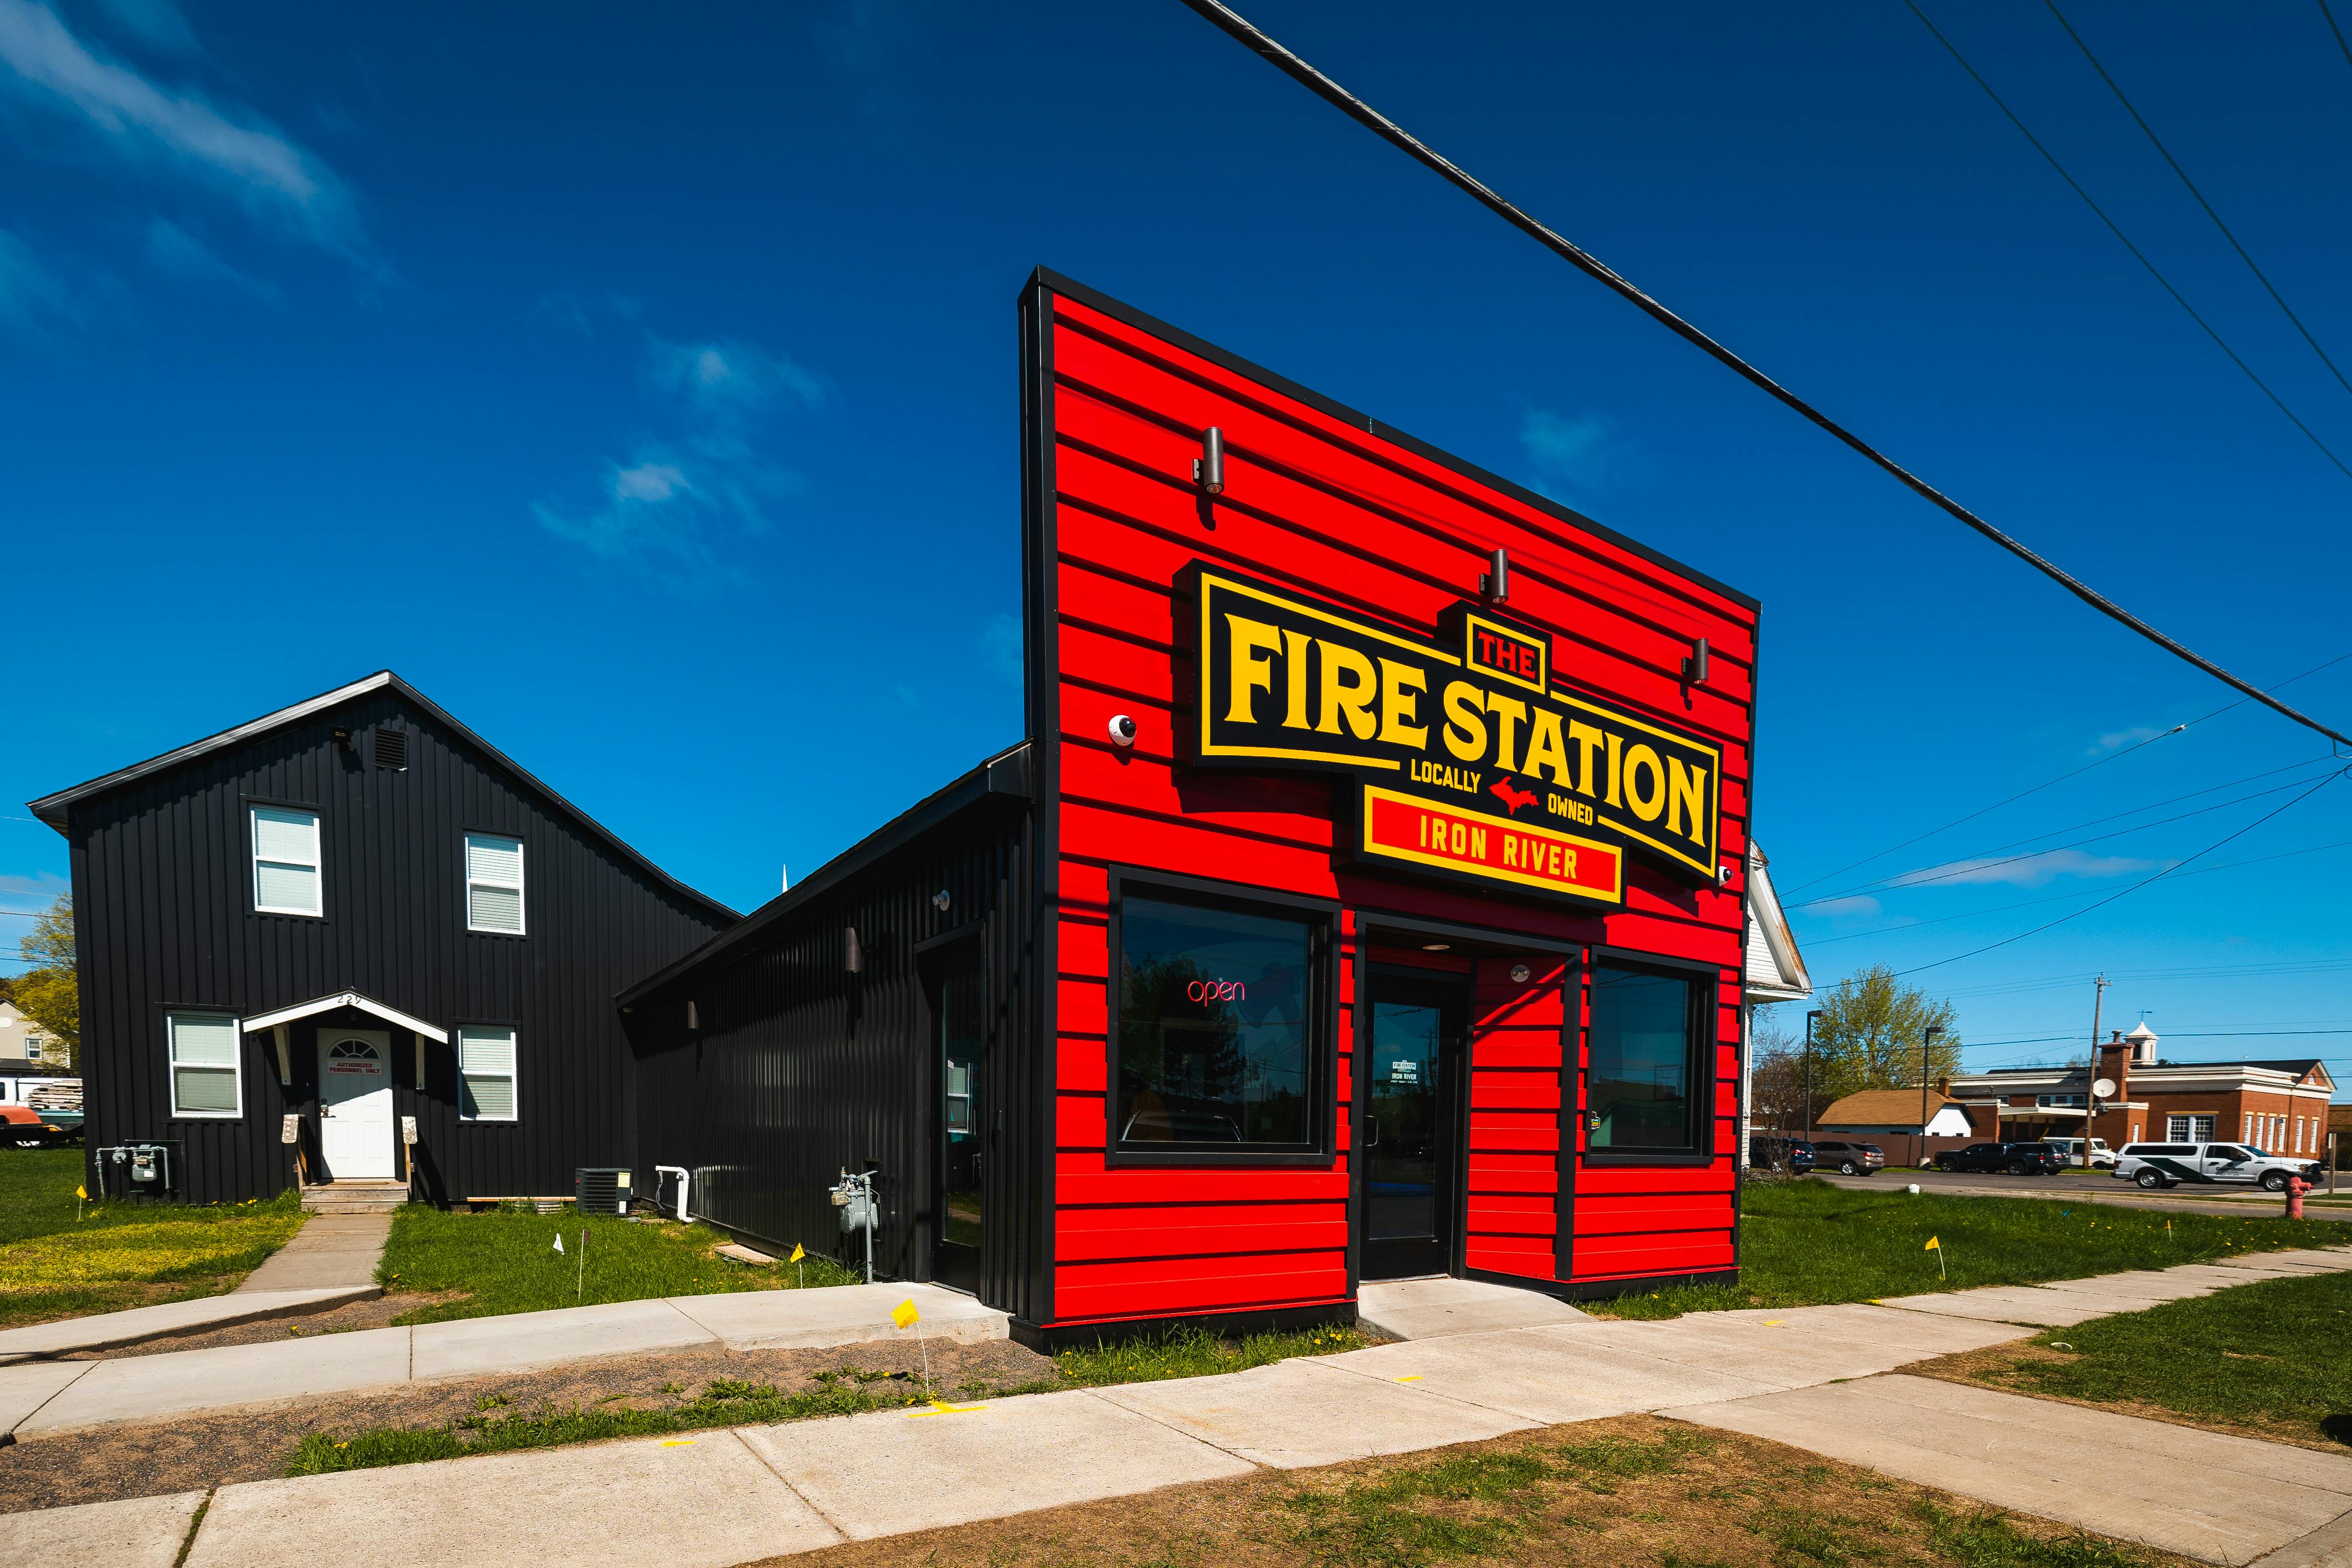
(853,1196)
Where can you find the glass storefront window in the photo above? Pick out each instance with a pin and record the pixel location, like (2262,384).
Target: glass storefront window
(1645,1086)
(1216,1033)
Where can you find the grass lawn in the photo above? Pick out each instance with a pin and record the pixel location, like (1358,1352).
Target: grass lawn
(116,1255)
(505,1261)
(1632,1492)
(2253,1358)
(1804,1243)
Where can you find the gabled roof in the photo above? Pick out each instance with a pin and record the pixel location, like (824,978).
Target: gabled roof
(1775,969)
(52,808)
(1883,1107)
(1005,774)
(341,999)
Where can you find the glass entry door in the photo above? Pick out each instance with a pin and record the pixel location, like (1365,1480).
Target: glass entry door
(1411,1137)
(961,1079)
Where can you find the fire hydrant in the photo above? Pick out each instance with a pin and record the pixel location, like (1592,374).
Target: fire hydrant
(2295,1187)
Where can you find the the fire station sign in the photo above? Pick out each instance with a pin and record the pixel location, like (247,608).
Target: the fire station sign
(1470,762)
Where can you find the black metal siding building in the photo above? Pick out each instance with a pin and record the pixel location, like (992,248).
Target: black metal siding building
(164,887)
(805,1043)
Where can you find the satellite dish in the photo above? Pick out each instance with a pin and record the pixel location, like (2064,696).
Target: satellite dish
(2103,1089)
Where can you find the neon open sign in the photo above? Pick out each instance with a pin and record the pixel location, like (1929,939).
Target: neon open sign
(1217,991)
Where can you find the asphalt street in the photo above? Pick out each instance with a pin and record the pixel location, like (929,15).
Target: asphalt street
(2099,1189)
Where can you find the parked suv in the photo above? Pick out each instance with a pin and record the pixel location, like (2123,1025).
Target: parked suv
(2102,1157)
(2017,1159)
(1849,1159)
(2209,1164)
(1793,1153)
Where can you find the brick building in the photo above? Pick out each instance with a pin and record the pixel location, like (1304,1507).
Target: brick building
(2280,1107)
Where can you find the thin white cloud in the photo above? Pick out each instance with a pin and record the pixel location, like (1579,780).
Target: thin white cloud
(38,890)
(677,498)
(1848,908)
(1000,647)
(1572,452)
(2029,870)
(173,251)
(2132,736)
(232,148)
(32,299)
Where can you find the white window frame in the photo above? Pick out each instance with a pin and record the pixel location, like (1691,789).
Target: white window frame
(522,869)
(234,1067)
(513,1075)
(316,865)
(33,1043)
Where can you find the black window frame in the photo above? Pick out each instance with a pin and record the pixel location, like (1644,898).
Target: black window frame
(1705,1046)
(1323,1026)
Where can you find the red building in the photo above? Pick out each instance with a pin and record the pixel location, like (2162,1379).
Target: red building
(1367,901)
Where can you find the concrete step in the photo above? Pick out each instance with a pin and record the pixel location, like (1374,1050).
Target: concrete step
(354,1197)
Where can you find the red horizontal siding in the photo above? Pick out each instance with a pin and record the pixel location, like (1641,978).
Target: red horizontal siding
(1341,514)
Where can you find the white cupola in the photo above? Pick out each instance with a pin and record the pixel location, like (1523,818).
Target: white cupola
(2142,1041)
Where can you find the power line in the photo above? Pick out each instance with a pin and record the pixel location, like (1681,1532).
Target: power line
(2332,27)
(1962,867)
(2137,120)
(1283,59)
(2138,255)
(2136,886)
(2059,898)
(2061,778)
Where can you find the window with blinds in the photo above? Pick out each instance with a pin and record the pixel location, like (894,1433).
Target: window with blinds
(493,884)
(205,1077)
(486,1074)
(286,872)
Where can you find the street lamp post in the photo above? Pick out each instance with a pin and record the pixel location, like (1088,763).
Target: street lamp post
(1809,1072)
(1925,1040)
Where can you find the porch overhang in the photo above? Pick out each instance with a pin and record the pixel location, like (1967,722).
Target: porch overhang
(392,1016)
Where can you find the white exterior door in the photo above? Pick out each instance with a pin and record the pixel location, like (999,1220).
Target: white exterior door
(355,1104)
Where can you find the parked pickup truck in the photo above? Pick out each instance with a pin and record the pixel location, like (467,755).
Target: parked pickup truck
(2209,1165)
(2017,1159)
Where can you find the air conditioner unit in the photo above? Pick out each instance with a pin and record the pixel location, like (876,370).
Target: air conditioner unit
(603,1189)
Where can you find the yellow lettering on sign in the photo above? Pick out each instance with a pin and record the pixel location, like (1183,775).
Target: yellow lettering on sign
(1507,712)
(1251,672)
(1354,695)
(1651,807)
(1465,721)
(1294,669)
(1616,743)
(1587,741)
(1401,689)
(1545,755)
(1687,787)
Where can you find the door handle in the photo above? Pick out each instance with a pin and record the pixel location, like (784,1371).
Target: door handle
(1371,1131)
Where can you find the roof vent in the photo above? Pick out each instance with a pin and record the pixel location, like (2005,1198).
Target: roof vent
(391,748)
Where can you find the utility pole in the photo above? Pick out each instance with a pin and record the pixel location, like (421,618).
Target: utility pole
(1925,1040)
(1809,1072)
(2091,1072)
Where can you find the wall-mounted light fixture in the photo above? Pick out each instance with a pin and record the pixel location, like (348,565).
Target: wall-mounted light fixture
(1496,583)
(1519,973)
(940,900)
(1695,666)
(344,738)
(852,957)
(693,1016)
(1209,467)
(1436,947)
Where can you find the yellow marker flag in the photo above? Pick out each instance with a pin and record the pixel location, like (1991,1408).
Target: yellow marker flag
(798,1253)
(1935,1243)
(82,1193)
(904,1314)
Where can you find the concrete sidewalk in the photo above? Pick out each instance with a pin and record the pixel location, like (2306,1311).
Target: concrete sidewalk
(40,1400)
(726,1498)
(331,1251)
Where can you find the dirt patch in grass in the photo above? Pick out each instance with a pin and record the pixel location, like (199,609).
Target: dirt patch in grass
(1635,1492)
(213,1450)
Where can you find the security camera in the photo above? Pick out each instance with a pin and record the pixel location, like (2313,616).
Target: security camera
(1122,730)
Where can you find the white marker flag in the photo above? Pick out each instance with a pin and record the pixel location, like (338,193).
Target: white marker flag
(559,1241)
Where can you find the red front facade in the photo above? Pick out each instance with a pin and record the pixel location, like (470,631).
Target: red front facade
(1324,508)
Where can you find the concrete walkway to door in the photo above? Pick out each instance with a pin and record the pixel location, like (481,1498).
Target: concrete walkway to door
(331,1251)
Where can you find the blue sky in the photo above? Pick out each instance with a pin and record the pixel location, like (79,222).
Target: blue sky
(642,386)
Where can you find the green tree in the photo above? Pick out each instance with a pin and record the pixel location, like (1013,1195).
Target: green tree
(1869,1033)
(50,992)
